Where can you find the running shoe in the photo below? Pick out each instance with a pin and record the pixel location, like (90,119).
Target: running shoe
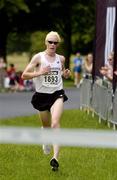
(46,149)
(54,163)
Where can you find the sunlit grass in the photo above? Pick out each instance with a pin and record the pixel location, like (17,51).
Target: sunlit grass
(19,60)
(27,162)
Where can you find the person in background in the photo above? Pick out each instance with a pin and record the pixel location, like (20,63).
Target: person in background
(88,66)
(2,72)
(29,85)
(46,68)
(77,68)
(19,82)
(11,71)
(107,70)
(115,72)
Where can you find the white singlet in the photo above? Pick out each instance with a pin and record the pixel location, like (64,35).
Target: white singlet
(52,81)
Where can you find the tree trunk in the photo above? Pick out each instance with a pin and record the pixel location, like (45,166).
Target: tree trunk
(3,42)
(68,48)
(67,32)
(4,30)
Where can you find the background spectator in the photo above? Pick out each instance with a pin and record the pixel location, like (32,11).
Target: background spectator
(2,72)
(88,65)
(19,82)
(107,70)
(12,76)
(77,69)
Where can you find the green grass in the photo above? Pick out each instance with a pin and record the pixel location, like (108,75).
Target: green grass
(67,83)
(20,60)
(27,162)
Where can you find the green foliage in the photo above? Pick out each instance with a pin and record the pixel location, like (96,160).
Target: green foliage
(12,7)
(18,42)
(37,41)
(74,20)
(83,26)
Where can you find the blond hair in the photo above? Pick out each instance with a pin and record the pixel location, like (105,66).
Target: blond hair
(52,33)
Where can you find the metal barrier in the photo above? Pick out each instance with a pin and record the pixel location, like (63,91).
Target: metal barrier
(101,101)
(98,97)
(113,119)
(85,93)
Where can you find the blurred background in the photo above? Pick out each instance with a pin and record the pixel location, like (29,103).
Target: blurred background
(24,24)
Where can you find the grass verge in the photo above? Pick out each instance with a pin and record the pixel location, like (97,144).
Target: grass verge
(27,162)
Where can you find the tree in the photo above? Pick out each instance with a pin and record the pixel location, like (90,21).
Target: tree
(8,9)
(70,19)
(75,20)
(83,29)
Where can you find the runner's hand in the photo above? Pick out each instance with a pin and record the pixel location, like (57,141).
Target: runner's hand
(66,73)
(44,70)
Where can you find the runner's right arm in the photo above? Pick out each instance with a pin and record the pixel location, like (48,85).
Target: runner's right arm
(29,72)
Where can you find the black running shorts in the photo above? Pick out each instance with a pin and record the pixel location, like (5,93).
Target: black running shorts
(44,101)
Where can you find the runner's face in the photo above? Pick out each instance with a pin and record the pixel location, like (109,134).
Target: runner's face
(52,43)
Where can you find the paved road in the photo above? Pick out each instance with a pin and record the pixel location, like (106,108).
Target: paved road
(18,104)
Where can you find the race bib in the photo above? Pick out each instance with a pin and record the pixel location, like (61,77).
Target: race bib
(51,79)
